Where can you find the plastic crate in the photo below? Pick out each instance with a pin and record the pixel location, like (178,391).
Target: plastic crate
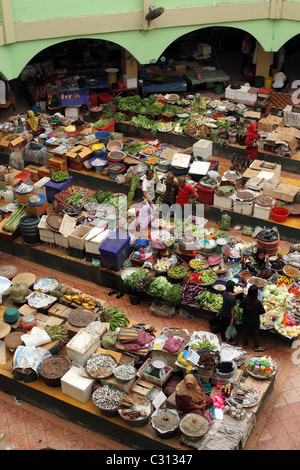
(106,97)
(52,188)
(205,195)
(115,250)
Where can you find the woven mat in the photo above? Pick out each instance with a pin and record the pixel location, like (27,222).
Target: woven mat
(281,100)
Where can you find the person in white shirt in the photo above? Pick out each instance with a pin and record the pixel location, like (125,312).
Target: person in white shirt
(148,187)
(280,81)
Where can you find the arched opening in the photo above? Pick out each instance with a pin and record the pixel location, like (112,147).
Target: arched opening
(62,64)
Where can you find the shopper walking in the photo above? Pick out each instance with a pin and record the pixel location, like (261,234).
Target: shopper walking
(148,187)
(252,309)
(227,310)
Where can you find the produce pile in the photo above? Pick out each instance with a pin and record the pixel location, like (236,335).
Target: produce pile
(115,317)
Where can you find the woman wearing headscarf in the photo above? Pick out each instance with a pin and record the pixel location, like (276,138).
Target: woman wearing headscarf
(252,309)
(190,396)
(32,122)
(258,264)
(251,142)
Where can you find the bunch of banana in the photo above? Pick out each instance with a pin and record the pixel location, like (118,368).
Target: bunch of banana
(82,300)
(184,362)
(115,317)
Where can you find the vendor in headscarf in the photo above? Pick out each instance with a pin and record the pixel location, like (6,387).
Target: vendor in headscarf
(32,123)
(251,142)
(190,396)
(258,264)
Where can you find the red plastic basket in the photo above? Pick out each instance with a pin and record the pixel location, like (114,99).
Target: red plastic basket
(279,214)
(205,195)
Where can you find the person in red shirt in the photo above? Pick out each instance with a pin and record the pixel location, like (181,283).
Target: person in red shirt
(251,142)
(184,192)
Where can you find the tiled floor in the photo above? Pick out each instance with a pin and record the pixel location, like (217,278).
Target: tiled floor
(28,427)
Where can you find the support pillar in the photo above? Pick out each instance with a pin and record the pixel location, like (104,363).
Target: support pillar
(263,62)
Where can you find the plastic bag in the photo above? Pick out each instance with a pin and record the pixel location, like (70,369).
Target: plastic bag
(109,339)
(37,337)
(225,222)
(173,344)
(231,332)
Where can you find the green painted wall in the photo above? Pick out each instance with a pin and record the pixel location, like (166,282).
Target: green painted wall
(25,10)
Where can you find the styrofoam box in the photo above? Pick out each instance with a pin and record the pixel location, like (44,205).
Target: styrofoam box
(90,246)
(77,237)
(243,207)
(130,80)
(94,240)
(72,111)
(261,212)
(204,48)
(46,234)
(203,148)
(223,202)
(61,240)
(82,346)
(40,185)
(76,386)
(229,93)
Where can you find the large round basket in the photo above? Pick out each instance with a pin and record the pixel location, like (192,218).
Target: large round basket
(107,398)
(165,422)
(100,366)
(81,317)
(194,426)
(135,409)
(8,271)
(52,369)
(27,278)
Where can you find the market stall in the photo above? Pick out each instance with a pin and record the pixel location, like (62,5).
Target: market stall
(86,359)
(107,233)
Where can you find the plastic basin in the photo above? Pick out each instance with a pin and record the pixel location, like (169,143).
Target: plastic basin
(279,214)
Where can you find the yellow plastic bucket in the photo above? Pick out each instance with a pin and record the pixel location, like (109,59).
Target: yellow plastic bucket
(268,82)
(112,75)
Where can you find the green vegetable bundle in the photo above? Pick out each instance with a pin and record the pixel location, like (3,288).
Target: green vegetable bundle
(139,281)
(13,221)
(209,300)
(204,345)
(177,272)
(59,176)
(115,317)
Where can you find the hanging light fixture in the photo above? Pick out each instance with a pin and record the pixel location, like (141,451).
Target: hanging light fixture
(153,14)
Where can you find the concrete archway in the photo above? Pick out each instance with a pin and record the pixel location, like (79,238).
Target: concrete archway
(146,45)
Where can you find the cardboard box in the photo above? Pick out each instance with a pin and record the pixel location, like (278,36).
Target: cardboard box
(143,387)
(284,192)
(34,172)
(258,166)
(57,164)
(286,138)
(270,123)
(79,153)
(11,141)
(44,171)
